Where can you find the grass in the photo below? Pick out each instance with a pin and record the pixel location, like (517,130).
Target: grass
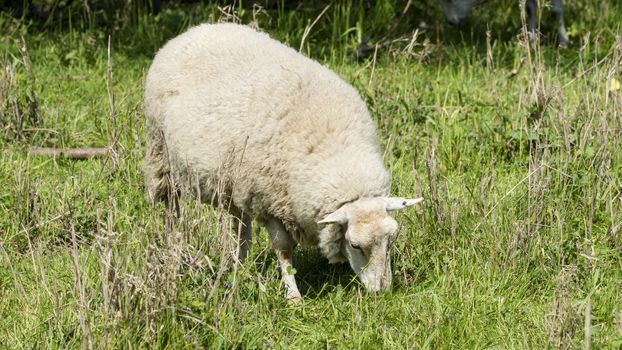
(516,147)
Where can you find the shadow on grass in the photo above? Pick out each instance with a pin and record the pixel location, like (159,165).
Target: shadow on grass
(314,275)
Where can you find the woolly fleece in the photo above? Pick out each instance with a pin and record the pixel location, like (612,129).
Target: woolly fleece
(232,112)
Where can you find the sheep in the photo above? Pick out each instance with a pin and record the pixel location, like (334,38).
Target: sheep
(456,12)
(237,115)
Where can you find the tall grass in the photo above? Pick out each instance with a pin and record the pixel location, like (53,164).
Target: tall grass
(515,146)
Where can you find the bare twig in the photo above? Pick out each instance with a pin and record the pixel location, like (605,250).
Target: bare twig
(71,153)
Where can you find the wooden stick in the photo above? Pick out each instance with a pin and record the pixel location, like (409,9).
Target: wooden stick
(71,153)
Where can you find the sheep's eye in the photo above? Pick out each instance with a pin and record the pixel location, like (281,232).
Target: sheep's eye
(357,247)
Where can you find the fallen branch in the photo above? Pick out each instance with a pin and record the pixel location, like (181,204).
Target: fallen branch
(71,153)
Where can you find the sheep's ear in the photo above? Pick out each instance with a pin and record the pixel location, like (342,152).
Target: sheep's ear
(339,216)
(394,203)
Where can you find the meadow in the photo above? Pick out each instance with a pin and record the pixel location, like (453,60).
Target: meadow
(515,146)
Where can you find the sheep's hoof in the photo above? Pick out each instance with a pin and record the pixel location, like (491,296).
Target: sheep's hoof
(294,300)
(294,297)
(564,44)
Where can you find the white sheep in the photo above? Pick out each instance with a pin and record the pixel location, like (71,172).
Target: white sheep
(234,114)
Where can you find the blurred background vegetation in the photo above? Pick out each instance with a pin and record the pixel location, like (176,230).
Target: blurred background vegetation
(348,22)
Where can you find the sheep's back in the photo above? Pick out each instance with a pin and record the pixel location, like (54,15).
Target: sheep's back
(243,113)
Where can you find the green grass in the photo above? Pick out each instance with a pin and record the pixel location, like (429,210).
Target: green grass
(516,148)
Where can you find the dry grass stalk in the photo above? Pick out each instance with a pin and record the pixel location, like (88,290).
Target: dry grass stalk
(258,10)
(562,320)
(614,204)
(539,187)
(19,106)
(588,324)
(417,183)
(228,13)
(159,283)
(396,23)
(308,28)
(7,81)
(504,196)
(490,63)
(618,322)
(32,101)
(373,67)
(44,279)
(80,290)
(21,294)
(105,239)
(114,135)
(223,230)
(433,183)
(530,42)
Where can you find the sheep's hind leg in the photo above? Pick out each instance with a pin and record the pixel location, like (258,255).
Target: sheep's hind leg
(243,227)
(283,245)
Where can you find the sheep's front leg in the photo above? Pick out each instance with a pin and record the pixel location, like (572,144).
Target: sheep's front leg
(558,12)
(532,19)
(283,245)
(243,228)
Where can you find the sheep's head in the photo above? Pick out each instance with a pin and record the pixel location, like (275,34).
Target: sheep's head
(456,11)
(369,232)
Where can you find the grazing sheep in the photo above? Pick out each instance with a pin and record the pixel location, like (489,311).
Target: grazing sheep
(234,114)
(456,11)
